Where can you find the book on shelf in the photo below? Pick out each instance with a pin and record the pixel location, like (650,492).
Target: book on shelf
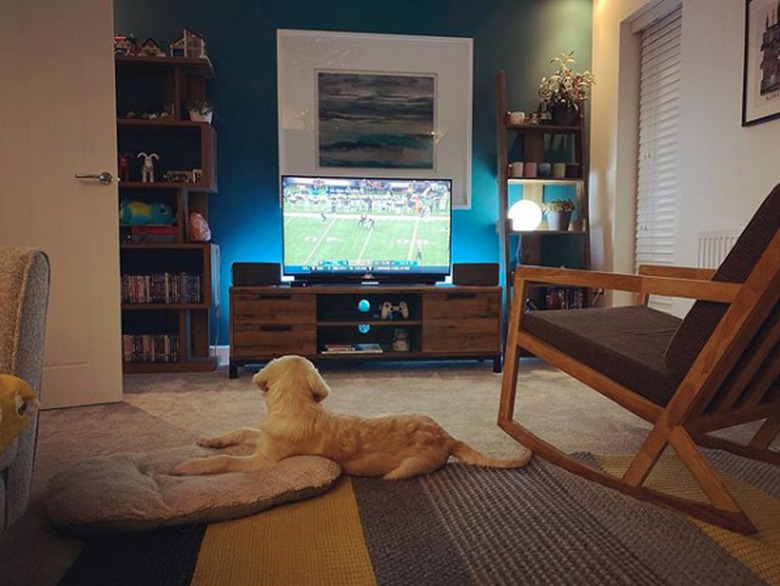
(369,348)
(151,348)
(162,288)
(338,349)
(352,349)
(150,233)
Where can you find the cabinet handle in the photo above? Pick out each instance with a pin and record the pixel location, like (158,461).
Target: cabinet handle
(461,295)
(276,328)
(271,297)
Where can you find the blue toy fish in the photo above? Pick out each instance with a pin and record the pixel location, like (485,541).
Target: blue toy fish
(138,213)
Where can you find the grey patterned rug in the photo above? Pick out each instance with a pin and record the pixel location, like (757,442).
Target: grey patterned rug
(460,526)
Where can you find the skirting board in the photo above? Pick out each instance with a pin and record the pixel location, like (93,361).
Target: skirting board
(222,353)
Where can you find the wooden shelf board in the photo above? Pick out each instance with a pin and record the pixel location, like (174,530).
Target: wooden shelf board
(546,180)
(166,185)
(195,365)
(544,128)
(163,306)
(372,323)
(390,355)
(166,122)
(191,65)
(165,246)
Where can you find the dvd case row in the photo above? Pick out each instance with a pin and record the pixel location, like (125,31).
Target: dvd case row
(162,288)
(151,348)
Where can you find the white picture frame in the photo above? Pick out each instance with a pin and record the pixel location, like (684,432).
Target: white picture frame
(301,55)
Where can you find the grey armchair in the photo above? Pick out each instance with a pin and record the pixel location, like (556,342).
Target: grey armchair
(24,295)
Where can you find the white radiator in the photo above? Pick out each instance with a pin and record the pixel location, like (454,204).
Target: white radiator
(714,246)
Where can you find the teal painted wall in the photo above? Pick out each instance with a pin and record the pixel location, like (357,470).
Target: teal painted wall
(519,36)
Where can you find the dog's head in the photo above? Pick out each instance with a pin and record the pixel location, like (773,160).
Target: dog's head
(291,375)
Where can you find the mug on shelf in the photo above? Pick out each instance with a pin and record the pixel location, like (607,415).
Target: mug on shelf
(559,170)
(544,169)
(530,169)
(516,170)
(573,170)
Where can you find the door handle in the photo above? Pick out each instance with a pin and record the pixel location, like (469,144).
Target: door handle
(104,176)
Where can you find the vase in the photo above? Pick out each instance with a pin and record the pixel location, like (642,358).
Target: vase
(564,115)
(558,221)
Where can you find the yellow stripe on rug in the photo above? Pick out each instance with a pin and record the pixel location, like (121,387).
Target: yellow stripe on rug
(313,542)
(761,552)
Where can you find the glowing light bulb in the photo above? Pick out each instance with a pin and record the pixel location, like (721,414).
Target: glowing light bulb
(525,215)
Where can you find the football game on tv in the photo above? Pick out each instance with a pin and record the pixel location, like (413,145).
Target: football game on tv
(366,229)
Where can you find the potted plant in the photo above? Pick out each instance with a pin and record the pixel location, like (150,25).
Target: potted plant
(200,110)
(564,92)
(558,213)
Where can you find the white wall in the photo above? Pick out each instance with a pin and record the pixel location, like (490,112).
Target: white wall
(725,171)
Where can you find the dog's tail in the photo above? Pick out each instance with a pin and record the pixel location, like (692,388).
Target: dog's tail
(468,455)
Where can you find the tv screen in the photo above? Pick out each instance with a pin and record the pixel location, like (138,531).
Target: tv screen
(366,229)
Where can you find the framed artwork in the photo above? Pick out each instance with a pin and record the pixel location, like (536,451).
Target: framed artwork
(761,84)
(375,120)
(363,105)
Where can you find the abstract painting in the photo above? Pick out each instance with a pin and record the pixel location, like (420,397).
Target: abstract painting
(376,120)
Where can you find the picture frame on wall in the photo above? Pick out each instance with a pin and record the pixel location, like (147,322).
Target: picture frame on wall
(362,105)
(761,73)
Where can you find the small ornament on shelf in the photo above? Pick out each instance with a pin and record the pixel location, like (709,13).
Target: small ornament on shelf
(199,230)
(150,48)
(125,45)
(191,44)
(124,166)
(147,170)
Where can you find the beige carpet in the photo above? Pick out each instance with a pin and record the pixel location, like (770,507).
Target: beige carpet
(162,411)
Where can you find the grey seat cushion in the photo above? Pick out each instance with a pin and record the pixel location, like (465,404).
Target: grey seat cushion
(135,492)
(703,318)
(627,344)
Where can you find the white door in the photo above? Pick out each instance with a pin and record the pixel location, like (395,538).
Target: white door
(57,118)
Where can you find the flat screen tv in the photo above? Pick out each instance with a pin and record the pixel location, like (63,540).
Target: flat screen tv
(366,229)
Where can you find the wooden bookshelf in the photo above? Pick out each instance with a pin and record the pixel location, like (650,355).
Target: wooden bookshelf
(177,80)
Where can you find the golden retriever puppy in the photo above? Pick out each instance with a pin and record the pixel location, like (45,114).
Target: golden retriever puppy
(394,446)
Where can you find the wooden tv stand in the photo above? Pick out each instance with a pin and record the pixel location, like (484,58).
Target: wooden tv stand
(321,322)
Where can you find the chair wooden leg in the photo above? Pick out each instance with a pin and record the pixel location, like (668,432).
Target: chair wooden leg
(647,457)
(512,355)
(760,454)
(702,471)
(731,520)
(766,434)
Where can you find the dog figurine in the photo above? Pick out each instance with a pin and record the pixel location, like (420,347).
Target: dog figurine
(393,446)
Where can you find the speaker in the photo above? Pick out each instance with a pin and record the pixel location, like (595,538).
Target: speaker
(475,273)
(256,274)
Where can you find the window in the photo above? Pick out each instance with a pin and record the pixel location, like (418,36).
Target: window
(659,96)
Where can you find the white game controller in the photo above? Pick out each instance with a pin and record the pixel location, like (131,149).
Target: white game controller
(390,311)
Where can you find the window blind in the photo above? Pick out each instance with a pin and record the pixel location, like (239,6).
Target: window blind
(659,96)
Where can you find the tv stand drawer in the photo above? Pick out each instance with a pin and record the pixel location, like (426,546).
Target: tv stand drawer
(456,336)
(253,340)
(273,307)
(460,303)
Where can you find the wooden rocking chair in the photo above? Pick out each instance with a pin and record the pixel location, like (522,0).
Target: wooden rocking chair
(718,367)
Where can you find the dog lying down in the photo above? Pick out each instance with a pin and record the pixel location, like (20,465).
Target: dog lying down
(394,446)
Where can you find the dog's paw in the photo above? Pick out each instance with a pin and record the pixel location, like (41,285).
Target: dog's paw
(192,467)
(213,442)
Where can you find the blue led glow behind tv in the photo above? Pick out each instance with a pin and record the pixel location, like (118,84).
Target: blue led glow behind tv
(366,229)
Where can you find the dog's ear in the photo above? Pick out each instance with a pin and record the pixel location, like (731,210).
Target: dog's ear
(319,388)
(261,380)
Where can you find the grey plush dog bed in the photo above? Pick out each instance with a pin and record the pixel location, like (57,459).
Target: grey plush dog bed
(135,492)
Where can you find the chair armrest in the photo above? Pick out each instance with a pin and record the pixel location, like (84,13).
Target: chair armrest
(676,272)
(717,291)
